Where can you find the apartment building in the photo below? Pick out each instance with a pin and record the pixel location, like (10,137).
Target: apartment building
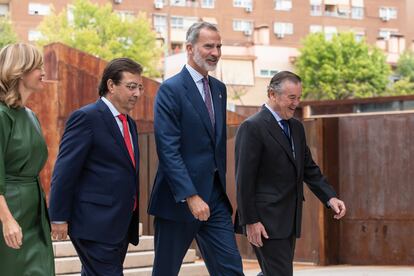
(259,37)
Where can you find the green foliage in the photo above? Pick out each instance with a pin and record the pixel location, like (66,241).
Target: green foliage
(7,35)
(401,87)
(100,31)
(405,65)
(341,68)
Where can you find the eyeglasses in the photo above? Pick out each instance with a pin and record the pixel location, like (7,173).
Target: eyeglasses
(132,86)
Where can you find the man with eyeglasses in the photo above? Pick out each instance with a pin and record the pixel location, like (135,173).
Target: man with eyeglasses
(94,189)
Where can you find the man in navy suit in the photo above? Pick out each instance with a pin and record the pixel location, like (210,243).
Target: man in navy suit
(189,197)
(94,188)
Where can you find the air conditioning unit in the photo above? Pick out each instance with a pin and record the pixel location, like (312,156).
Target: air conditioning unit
(248,9)
(158,5)
(280,35)
(247,32)
(118,1)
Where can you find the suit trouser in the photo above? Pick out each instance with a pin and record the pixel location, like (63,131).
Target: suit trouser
(276,256)
(101,259)
(215,238)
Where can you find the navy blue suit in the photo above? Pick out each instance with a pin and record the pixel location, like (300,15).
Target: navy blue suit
(94,184)
(192,160)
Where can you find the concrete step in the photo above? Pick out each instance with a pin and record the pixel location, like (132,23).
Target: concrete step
(188,269)
(66,249)
(66,265)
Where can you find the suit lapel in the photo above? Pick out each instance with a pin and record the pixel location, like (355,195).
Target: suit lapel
(112,125)
(134,135)
(277,133)
(295,133)
(218,100)
(197,101)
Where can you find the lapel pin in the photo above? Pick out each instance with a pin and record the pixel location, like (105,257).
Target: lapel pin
(219,96)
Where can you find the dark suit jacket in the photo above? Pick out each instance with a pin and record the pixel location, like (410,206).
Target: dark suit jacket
(270,179)
(190,151)
(94,181)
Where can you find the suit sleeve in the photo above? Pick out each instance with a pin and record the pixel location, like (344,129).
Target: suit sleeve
(73,151)
(5,129)
(248,155)
(314,178)
(167,129)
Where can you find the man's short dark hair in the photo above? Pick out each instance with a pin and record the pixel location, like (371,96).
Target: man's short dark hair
(114,70)
(280,77)
(194,31)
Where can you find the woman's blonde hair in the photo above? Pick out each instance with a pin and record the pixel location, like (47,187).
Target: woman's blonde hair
(15,61)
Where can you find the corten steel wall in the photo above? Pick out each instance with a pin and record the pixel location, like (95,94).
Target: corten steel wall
(375,155)
(72,80)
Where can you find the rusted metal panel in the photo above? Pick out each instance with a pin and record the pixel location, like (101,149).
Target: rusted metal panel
(376,160)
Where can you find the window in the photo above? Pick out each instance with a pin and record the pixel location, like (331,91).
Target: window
(181,23)
(315,29)
(337,8)
(177,22)
(34,35)
(357,13)
(242,25)
(180,3)
(359,36)
(160,24)
(357,9)
(39,9)
(243,3)
(126,15)
(386,33)
(207,4)
(267,73)
(330,32)
(4,9)
(282,28)
(283,5)
(387,13)
(316,7)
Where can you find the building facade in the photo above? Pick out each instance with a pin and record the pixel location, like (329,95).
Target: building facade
(260,37)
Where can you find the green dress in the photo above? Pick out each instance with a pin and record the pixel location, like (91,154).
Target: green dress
(23,154)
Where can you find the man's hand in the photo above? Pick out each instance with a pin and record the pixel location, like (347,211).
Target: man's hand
(255,232)
(12,232)
(59,231)
(198,208)
(338,206)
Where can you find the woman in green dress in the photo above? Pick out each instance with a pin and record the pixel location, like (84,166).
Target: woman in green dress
(25,243)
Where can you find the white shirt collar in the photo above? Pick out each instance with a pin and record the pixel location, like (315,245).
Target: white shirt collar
(277,117)
(111,107)
(194,73)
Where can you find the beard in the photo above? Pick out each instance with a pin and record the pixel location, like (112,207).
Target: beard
(202,63)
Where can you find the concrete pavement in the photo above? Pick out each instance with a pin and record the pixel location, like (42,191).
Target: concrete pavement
(343,270)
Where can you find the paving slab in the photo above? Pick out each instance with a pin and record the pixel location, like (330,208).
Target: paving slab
(348,271)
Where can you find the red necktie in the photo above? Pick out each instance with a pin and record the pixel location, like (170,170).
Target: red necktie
(127,138)
(128,144)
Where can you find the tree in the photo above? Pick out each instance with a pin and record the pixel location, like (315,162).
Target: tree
(405,65)
(7,35)
(100,31)
(341,68)
(401,87)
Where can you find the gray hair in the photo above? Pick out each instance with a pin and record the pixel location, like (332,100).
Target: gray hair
(194,31)
(276,83)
